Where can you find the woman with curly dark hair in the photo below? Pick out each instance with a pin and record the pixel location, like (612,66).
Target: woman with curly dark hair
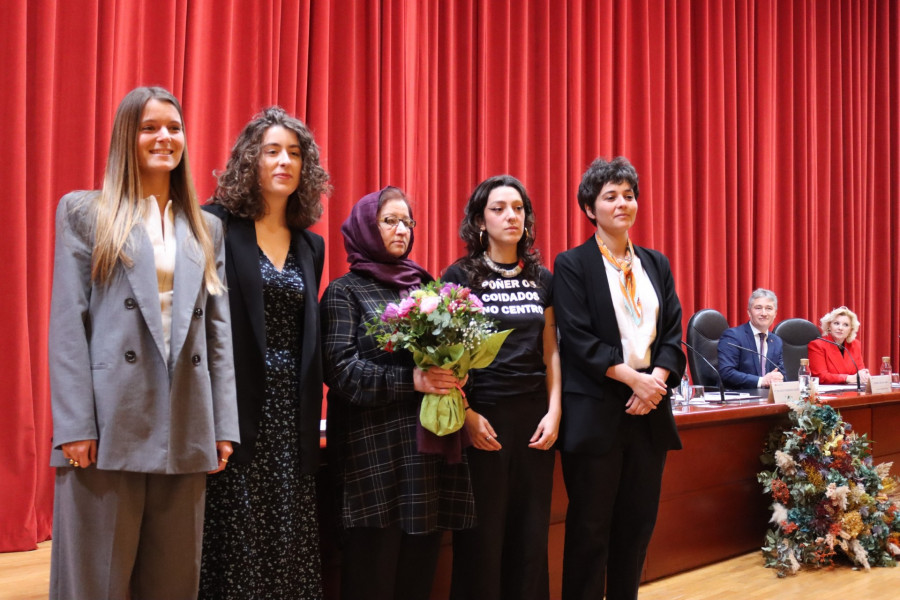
(261,530)
(514,403)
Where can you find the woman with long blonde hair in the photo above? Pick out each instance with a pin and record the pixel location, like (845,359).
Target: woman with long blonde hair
(141,368)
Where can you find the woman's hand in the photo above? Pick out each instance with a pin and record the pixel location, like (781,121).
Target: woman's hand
(81,454)
(546,433)
(863,376)
(480,431)
(648,388)
(435,380)
(636,406)
(224,449)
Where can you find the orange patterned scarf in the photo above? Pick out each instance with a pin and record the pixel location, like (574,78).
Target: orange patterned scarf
(626,278)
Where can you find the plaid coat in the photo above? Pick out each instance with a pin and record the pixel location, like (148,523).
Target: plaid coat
(372,413)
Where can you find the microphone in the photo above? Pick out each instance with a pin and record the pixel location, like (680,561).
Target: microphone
(771,362)
(850,354)
(715,370)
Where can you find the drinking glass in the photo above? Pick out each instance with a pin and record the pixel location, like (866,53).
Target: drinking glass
(895,378)
(697,392)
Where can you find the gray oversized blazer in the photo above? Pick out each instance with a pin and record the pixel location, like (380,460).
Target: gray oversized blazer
(110,379)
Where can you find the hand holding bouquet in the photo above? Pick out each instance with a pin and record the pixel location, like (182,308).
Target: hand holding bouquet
(443,325)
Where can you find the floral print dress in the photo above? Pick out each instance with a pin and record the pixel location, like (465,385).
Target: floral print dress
(261,535)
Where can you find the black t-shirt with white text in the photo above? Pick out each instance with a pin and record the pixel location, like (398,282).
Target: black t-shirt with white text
(516,303)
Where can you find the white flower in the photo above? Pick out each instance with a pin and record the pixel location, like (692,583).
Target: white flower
(860,553)
(779,513)
(857,491)
(838,494)
(785,462)
(795,564)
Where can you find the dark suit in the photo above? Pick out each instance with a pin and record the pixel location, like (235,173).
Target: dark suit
(612,462)
(740,370)
(245,293)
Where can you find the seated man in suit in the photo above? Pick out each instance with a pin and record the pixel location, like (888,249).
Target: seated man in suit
(741,349)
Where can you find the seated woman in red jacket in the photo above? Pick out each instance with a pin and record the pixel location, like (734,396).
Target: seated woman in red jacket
(834,362)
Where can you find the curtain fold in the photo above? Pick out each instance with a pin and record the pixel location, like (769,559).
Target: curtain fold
(766,134)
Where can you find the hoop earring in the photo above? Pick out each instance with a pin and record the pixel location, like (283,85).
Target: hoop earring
(481,239)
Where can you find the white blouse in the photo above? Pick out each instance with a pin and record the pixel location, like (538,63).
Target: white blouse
(636,337)
(161,230)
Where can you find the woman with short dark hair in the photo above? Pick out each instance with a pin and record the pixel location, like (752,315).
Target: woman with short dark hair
(620,330)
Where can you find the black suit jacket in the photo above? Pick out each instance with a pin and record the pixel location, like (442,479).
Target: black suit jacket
(245,295)
(593,405)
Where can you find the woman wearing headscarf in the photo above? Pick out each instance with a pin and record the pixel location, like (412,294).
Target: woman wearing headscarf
(261,535)
(141,367)
(394,500)
(620,330)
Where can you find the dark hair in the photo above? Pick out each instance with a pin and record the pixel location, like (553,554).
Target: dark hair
(601,172)
(470,231)
(239,189)
(391,192)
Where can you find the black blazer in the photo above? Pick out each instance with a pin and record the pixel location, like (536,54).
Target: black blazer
(593,404)
(248,327)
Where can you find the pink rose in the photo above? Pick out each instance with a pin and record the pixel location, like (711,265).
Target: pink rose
(391,312)
(406,305)
(428,304)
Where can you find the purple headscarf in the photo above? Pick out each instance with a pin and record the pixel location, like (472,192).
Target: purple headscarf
(366,252)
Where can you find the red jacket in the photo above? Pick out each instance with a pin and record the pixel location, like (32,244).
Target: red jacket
(828,364)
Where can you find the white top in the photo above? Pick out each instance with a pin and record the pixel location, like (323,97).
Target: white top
(161,230)
(636,337)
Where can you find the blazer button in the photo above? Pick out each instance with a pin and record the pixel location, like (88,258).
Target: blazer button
(130,303)
(130,356)
(198,312)
(195,359)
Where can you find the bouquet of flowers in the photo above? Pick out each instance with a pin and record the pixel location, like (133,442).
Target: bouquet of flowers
(827,495)
(444,325)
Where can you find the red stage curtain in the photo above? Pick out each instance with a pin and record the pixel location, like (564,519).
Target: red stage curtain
(766,133)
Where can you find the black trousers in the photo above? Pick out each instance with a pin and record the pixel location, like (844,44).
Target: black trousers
(505,555)
(613,501)
(388,564)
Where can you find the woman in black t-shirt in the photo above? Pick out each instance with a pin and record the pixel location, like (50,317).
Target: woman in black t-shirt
(513,407)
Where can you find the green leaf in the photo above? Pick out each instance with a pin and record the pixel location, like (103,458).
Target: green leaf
(487,351)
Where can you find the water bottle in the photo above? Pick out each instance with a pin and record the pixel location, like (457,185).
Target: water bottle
(803,378)
(886,368)
(685,390)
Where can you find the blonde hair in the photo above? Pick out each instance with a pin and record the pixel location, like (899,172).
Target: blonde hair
(841,311)
(118,208)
